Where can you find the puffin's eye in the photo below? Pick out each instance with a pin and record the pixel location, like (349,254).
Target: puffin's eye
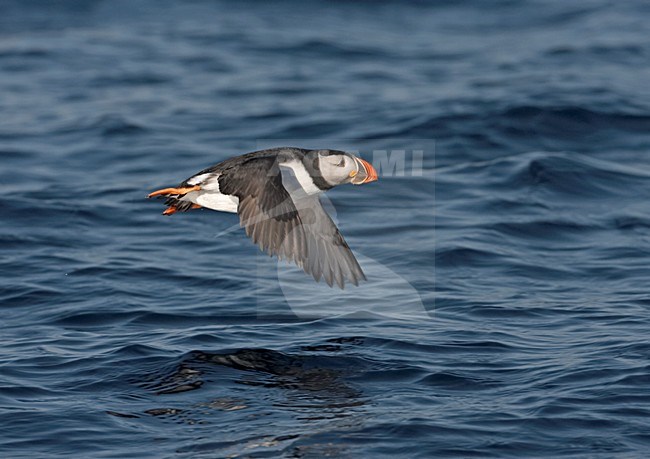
(341,163)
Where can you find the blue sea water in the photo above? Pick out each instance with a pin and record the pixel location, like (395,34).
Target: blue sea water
(507,311)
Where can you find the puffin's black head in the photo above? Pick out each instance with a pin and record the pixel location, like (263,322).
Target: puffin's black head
(338,167)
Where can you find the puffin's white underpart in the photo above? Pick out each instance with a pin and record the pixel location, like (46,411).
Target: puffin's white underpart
(210,196)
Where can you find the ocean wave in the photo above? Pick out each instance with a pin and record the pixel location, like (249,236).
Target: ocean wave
(572,175)
(515,129)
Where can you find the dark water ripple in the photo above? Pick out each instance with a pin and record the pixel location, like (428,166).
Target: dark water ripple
(506,313)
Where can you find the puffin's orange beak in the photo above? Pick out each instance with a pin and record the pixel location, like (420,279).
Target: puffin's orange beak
(366,173)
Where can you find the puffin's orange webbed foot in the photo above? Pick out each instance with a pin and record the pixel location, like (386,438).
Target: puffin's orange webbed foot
(172,209)
(173,191)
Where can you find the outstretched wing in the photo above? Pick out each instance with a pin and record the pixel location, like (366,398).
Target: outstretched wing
(290,223)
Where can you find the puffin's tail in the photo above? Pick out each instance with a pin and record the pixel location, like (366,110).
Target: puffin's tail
(173,202)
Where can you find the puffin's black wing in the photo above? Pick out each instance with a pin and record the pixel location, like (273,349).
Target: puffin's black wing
(289,224)
(327,252)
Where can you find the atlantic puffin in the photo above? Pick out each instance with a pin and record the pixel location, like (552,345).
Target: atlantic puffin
(276,192)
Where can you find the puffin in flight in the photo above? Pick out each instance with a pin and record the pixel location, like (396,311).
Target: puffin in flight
(276,192)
